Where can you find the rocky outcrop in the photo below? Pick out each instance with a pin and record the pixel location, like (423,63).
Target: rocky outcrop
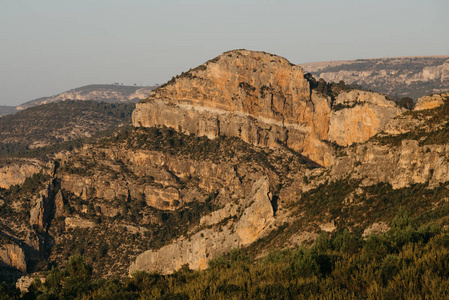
(73,222)
(259,97)
(24,282)
(43,207)
(12,255)
(360,116)
(16,173)
(431,101)
(60,204)
(400,166)
(264,100)
(253,222)
(154,178)
(376,228)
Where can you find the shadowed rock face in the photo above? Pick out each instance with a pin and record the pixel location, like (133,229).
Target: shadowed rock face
(264,100)
(12,255)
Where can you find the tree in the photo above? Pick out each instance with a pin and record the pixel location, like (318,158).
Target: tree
(406,102)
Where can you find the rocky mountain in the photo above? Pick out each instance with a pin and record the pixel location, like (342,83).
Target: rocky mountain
(264,100)
(397,77)
(243,152)
(97,92)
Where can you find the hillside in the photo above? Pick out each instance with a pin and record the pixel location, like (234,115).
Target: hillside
(56,123)
(241,178)
(97,92)
(397,77)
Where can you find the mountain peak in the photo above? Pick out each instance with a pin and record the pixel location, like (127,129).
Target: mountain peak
(252,82)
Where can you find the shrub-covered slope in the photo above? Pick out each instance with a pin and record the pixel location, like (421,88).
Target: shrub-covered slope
(60,122)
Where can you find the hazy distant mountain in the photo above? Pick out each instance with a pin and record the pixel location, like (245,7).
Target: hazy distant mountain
(411,77)
(60,122)
(97,92)
(6,110)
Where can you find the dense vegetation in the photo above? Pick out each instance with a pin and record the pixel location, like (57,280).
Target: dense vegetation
(407,262)
(331,89)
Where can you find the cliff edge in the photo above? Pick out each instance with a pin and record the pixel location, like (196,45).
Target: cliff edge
(262,99)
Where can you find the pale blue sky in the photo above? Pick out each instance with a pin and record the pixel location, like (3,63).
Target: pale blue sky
(49,46)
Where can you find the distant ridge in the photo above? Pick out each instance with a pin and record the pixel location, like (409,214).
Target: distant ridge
(96,92)
(409,76)
(6,110)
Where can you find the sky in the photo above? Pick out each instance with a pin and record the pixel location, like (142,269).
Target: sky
(50,46)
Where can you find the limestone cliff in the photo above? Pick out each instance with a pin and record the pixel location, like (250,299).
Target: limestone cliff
(256,96)
(264,100)
(400,166)
(254,221)
(412,149)
(12,255)
(155,198)
(430,101)
(16,173)
(362,115)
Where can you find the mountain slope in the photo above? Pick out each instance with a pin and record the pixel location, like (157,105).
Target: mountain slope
(397,77)
(55,123)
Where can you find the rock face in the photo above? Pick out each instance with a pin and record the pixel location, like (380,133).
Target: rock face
(43,207)
(373,163)
(363,114)
(13,256)
(264,100)
(430,101)
(162,191)
(207,244)
(17,173)
(258,97)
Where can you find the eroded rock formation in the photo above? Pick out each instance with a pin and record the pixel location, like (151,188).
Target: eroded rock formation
(264,100)
(362,115)
(430,101)
(254,221)
(12,255)
(16,173)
